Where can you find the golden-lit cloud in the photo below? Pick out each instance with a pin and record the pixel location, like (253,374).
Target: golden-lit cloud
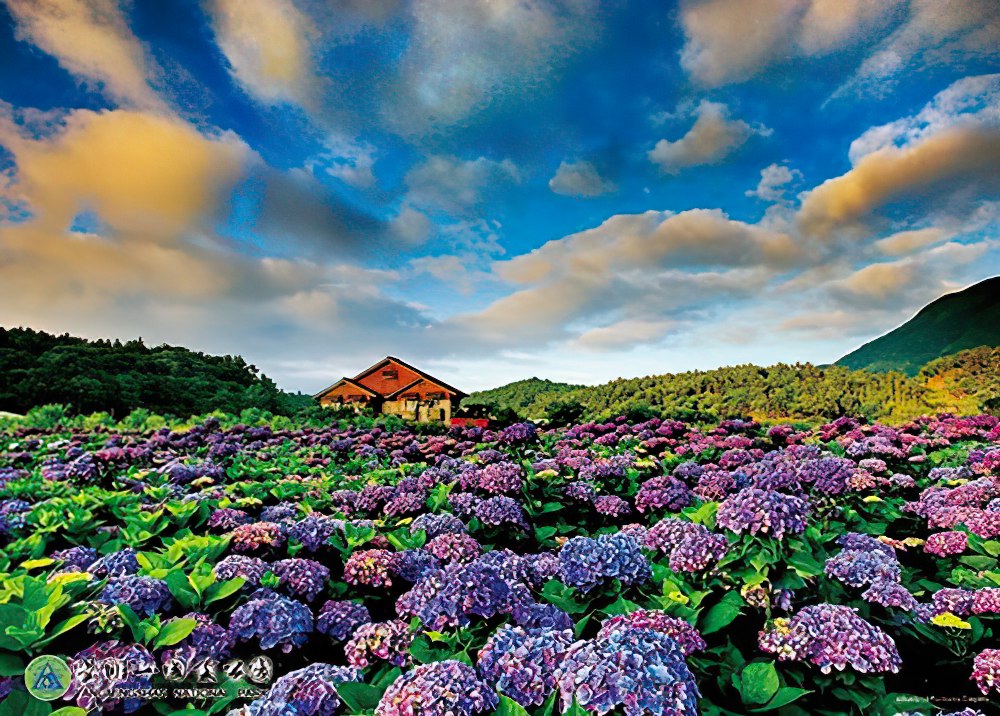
(713,136)
(92,41)
(268,44)
(946,160)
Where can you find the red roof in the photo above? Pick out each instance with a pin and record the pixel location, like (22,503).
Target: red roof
(391,389)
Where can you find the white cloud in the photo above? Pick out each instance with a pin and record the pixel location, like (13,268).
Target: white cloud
(712,138)
(456,185)
(774,182)
(91,40)
(579,179)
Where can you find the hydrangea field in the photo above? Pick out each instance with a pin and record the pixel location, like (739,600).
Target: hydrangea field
(650,568)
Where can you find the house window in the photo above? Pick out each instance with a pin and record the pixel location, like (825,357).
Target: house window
(390,374)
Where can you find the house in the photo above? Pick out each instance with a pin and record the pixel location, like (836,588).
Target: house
(392,387)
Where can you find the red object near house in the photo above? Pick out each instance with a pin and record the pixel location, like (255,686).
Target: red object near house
(470,422)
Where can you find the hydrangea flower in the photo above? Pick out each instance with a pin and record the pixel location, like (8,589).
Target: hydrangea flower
(580,490)
(251,569)
(304,578)
(441,688)
(208,640)
(639,670)
(464,503)
(754,510)
(313,530)
(257,536)
(946,544)
(611,505)
(518,434)
(831,636)
(547,617)
(521,664)
(890,594)
(76,558)
(310,691)
(501,510)
(413,564)
(115,564)
(687,637)
(146,596)
(662,492)
(437,524)
(859,568)
(454,547)
(501,478)
(986,670)
(228,518)
(339,619)
(370,567)
(379,641)
(986,601)
(585,562)
(272,619)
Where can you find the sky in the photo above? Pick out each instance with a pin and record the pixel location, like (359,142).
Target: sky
(495,189)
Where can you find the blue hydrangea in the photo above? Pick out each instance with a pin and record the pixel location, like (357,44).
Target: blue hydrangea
(339,619)
(310,691)
(521,664)
(273,620)
(145,595)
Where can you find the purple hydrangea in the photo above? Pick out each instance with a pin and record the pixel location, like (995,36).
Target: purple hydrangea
(501,510)
(542,567)
(690,547)
(339,619)
(379,641)
(464,503)
(547,617)
(91,689)
(986,670)
(304,578)
(406,503)
(115,564)
(661,492)
(611,505)
(413,564)
(441,688)
(310,691)
(313,531)
(639,670)
(687,637)
(831,636)
(501,478)
(454,548)
(208,640)
(580,490)
(521,664)
(437,524)
(890,594)
(146,596)
(859,568)
(251,569)
(755,510)
(956,601)
(76,558)
(272,619)
(986,601)
(370,567)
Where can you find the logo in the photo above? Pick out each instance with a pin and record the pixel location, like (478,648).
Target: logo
(47,677)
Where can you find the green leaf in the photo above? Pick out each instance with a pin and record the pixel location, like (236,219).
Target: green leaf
(63,627)
(555,592)
(174,631)
(723,613)
(11,665)
(992,548)
(785,696)
(359,697)
(759,682)
(221,590)
(979,562)
(620,606)
(509,707)
(75,711)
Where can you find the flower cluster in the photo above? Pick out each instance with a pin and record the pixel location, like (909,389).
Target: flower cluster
(94,689)
(501,478)
(313,531)
(436,524)
(257,536)
(667,493)
(691,547)
(986,670)
(251,569)
(115,564)
(370,567)
(755,510)
(411,565)
(379,641)
(339,619)
(831,636)
(310,691)
(454,547)
(687,637)
(642,671)
(272,619)
(611,505)
(441,688)
(501,510)
(586,562)
(304,578)
(226,519)
(946,544)
(521,664)
(144,595)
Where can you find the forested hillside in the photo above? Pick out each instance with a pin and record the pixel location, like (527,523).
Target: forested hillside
(90,376)
(966,383)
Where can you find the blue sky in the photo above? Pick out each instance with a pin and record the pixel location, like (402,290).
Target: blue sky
(495,189)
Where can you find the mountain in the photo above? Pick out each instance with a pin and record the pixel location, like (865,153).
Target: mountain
(954,322)
(519,395)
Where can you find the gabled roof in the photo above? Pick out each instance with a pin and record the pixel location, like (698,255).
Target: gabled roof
(349,381)
(422,374)
(405,388)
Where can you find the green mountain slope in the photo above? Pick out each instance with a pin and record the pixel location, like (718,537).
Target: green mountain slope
(518,395)
(952,323)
